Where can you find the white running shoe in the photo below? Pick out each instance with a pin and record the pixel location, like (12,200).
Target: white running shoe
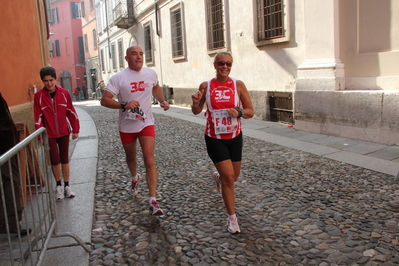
(134,187)
(232,226)
(59,192)
(155,209)
(68,192)
(218,183)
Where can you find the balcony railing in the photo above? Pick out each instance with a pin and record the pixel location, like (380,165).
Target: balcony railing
(123,14)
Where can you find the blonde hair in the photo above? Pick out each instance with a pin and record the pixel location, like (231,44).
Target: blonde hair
(218,54)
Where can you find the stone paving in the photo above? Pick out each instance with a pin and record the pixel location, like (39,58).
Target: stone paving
(294,208)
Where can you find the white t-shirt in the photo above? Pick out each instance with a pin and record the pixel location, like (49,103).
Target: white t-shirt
(129,85)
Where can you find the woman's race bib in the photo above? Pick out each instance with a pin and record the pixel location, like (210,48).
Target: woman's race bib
(135,114)
(224,123)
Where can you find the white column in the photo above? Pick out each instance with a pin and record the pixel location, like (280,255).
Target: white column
(322,68)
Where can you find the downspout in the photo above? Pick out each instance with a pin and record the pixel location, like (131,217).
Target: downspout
(106,21)
(159,39)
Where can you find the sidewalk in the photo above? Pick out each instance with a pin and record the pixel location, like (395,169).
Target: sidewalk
(77,213)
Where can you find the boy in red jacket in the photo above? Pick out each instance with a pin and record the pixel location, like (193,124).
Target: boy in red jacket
(53,110)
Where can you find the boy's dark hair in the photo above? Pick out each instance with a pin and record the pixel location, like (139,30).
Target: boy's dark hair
(48,71)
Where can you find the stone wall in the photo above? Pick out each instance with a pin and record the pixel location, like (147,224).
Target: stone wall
(364,115)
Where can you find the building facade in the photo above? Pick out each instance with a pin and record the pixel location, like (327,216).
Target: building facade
(326,66)
(66,44)
(23,51)
(90,39)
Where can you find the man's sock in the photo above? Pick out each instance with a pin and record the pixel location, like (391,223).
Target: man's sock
(59,183)
(66,184)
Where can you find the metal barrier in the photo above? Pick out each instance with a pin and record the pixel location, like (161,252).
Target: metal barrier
(36,197)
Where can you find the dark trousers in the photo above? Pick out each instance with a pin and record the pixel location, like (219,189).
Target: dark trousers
(8,139)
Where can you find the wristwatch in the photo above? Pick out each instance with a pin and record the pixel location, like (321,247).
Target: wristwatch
(123,104)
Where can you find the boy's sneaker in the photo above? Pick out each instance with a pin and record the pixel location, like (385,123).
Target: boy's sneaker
(218,183)
(232,226)
(155,209)
(59,192)
(68,192)
(134,187)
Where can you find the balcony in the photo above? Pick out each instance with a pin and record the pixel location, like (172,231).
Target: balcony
(123,14)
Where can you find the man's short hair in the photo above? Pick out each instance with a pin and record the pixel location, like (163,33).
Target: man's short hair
(48,71)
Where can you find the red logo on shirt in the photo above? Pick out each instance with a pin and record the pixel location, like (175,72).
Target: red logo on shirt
(138,86)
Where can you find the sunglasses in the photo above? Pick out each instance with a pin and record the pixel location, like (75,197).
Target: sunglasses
(222,63)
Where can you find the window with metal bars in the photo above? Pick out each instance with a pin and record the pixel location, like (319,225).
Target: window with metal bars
(120,53)
(270,22)
(102,60)
(113,56)
(215,24)
(147,43)
(177,33)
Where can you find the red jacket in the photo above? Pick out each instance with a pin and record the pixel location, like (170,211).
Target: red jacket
(57,115)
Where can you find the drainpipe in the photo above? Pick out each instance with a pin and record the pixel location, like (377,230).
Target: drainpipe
(106,21)
(159,39)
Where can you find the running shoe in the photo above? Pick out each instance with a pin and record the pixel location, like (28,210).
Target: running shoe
(232,226)
(59,192)
(68,192)
(134,188)
(218,183)
(155,209)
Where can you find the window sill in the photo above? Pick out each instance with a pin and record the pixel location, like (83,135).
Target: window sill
(272,41)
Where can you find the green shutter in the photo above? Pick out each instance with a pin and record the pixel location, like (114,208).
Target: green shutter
(73,8)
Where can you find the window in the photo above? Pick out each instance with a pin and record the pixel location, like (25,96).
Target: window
(98,19)
(94,39)
(91,5)
(270,26)
(102,60)
(86,43)
(176,20)
(75,7)
(82,8)
(215,24)
(120,54)
(51,49)
(57,48)
(48,11)
(113,56)
(54,16)
(148,44)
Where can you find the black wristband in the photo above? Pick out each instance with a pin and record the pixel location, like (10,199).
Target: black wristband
(239,110)
(123,104)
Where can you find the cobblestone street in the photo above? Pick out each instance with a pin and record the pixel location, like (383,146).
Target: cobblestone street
(293,207)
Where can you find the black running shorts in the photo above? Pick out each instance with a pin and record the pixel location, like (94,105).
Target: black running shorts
(224,149)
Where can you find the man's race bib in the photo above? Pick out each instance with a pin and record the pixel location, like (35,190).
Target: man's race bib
(135,114)
(224,123)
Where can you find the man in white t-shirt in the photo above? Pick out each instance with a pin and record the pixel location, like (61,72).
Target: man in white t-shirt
(134,87)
